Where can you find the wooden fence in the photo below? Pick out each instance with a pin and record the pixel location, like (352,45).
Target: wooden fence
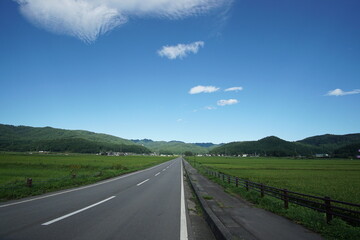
(349,212)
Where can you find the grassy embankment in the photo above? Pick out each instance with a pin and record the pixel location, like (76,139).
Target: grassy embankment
(338,179)
(51,172)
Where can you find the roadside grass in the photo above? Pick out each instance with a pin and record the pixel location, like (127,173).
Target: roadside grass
(52,172)
(207,197)
(315,221)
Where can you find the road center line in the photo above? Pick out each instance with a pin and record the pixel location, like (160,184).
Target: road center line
(157,174)
(142,182)
(76,212)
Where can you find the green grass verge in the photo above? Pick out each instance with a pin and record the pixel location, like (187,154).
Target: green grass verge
(55,171)
(207,197)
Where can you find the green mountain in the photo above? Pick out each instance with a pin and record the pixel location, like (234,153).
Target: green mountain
(172,147)
(269,146)
(22,138)
(206,145)
(350,150)
(329,143)
(334,145)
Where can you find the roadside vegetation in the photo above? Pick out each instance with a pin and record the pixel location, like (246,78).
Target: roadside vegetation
(51,172)
(336,178)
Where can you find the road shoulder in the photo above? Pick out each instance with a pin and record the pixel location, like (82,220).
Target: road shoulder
(232,218)
(198,229)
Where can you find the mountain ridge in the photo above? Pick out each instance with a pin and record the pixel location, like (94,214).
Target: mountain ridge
(24,138)
(323,145)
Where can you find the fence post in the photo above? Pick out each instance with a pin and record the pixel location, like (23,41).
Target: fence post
(29,182)
(247,185)
(223,177)
(236,181)
(228,176)
(262,190)
(286,199)
(329,215)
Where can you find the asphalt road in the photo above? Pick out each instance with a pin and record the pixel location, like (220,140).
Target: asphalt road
(143,205)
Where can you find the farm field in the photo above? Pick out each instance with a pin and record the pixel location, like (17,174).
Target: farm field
(336,178)
(50,172)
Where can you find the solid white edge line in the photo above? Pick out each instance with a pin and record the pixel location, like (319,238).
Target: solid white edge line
(157,174)
(183,224)
(142,182)
(80,188)
(76,212)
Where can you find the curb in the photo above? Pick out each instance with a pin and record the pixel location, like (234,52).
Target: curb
(216,226)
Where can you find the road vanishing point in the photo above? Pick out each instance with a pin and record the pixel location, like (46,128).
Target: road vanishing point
(147,204)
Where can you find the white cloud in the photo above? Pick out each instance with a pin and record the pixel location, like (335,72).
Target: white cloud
(87,19)
(180,50)
(339,92)
(203,89)
(210,108)
(227,102)
(233,89)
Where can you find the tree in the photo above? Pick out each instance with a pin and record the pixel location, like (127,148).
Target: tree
(188,154)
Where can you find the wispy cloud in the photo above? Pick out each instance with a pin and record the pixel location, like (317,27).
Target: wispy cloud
(339,92)
(227,102)
(233,89)
(223,17)
(87,19)
(180,50)
(210,108)
(203,89)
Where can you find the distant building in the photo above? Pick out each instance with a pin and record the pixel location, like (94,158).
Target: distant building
(321,155)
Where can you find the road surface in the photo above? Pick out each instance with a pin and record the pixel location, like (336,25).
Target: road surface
(147,204)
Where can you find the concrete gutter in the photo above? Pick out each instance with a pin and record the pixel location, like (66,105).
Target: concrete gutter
(217,227)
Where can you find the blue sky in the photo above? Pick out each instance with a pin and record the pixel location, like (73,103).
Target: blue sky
(128,69)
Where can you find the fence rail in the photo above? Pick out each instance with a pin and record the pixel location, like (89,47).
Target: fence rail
(349,212)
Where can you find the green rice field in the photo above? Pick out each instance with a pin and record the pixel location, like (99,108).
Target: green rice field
(50,172)
(336,178)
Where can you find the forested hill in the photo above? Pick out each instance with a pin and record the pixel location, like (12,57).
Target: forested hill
(330,142)
(172,147)
(23,138)
(269,146)
(333,145)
